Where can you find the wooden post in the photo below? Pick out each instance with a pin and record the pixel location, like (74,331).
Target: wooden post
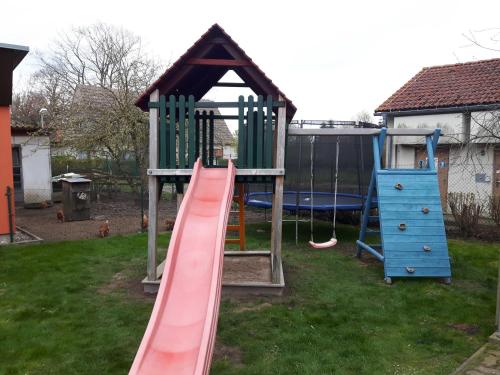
(153,189)
(277,213)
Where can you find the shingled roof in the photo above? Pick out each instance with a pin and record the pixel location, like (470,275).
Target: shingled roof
(190,76)
(456,85)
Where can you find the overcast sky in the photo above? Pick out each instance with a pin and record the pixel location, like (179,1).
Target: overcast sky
(333,59)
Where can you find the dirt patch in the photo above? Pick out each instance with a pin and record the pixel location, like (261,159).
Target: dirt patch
(470,329)
(250,268)
(230,354)
(132,287)
(122,211)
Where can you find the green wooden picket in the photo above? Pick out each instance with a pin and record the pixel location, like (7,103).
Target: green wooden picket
(204,138)
(260,130)
(182,132)
(191,132)
(268,134)
(241,133)
(250,133)
(211,138)
(197,135)
(172,140)
(163,132)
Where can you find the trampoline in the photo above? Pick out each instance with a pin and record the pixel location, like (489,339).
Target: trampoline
(322,201)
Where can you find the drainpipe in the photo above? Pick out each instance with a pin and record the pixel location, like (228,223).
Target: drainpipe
(8,194)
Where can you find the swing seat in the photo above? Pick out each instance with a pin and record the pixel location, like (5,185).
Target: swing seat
(323,245)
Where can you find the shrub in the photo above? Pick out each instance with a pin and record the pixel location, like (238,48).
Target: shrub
(494,206)
(466,211)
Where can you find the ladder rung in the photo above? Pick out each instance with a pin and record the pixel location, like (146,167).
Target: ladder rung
(232,240)
(233,227)
(235,211)
(372,232)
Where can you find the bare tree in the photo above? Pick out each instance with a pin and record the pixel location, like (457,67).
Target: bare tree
(365,116)
(104,121)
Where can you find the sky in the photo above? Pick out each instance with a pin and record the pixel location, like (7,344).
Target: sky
(333,59)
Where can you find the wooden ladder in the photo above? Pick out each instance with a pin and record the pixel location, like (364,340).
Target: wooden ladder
(240,227)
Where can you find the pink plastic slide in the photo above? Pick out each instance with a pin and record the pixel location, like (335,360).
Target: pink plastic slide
(180,335)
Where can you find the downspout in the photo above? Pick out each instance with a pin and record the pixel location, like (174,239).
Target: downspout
(8,194)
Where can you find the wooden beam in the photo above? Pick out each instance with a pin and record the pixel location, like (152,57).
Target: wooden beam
(277,210)
(231,84)
(153,189)
(218,62)
(239,172)
(332,131)
(409,132)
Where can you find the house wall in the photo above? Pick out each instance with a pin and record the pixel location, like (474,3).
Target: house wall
(230,152)
(36,168)
(470,170)
(465,165)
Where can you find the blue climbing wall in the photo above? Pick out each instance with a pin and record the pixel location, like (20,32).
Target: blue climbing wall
(411,224)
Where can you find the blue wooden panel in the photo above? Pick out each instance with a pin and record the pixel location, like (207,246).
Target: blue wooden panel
(417,262)
(408,194)
(405,180)
(434,214)
(415,246)
(412,231)
(421,222)
(422,201)
(419,272)
(434,254)
(406,186)
(413,238)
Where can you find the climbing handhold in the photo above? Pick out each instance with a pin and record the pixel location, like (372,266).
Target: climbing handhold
(398,186)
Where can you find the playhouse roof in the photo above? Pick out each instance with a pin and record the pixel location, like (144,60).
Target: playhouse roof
(10,57)
(455,85)
(205,63)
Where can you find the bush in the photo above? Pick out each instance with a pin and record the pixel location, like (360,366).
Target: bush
(466,211)
(494,206)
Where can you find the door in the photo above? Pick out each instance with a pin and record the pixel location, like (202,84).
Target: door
(18,175)
(441,160)
(496,174)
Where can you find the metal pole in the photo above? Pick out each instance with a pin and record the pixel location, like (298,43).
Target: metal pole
(9,208)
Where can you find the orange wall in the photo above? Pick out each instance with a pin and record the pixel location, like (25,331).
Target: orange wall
(6,178)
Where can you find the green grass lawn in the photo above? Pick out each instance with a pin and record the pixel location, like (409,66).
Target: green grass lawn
(77,308)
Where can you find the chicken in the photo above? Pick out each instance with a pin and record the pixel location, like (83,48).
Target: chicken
(145,222)
(60,216)
(169,223)
(104,229)
(44,204)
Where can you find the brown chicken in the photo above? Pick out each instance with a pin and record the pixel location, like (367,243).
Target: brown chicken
(44,204)
(104,229)
(145,222)
(169,223)
(60,216)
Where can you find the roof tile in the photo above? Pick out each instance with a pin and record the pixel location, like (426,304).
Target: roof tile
(471,83)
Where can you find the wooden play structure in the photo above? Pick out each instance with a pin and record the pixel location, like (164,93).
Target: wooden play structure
(10,57)
(409,213)
(182,131)
(410,216)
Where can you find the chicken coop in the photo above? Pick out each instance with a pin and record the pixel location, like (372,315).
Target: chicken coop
(76,199)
